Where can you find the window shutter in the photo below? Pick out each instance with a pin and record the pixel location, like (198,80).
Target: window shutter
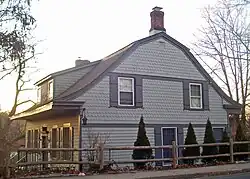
(32,138)
(113,90)
(205,96)
(28,139)
(186,100)
(36,139)
(138,92)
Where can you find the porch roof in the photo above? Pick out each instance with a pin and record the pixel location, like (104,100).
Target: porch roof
(53,108)
(232,108)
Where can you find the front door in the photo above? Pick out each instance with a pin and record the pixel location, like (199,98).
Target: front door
(169,134)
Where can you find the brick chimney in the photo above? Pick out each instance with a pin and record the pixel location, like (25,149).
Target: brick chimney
(157,21)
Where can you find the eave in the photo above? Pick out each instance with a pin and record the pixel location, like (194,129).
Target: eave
(52,75)
(53,107)
(234,109)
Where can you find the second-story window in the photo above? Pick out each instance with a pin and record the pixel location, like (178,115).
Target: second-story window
(50,90)
(125,91)
(39,95)
(195,90)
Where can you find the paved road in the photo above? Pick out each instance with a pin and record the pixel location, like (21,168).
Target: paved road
(235,176)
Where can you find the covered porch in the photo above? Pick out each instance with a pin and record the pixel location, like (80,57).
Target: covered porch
(52,125)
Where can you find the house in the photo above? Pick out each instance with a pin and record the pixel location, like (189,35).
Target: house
(157,77)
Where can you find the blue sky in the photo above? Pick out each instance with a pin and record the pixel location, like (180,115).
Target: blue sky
(94,29)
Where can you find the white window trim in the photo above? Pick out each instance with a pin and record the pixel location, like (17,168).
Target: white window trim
(50,97)
(190,96)
(133,91)
(39,94)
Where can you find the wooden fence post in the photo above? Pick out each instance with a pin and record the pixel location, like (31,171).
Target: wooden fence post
(101,155)
(174,154)
(231,150)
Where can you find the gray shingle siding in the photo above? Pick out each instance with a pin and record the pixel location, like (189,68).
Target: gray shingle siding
(159,59)
(162,98)
(64,81)
(162,104)
(113,137)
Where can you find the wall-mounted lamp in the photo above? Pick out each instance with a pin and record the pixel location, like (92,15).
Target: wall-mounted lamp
(83,116)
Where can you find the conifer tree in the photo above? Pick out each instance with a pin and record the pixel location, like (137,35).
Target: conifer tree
(142,140)
(240,136)
(190,151)
(209,138)
(224,149)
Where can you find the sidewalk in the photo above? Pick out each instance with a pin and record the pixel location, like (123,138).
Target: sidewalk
(234,168)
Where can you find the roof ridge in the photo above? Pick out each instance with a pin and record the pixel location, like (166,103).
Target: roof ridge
(60,72)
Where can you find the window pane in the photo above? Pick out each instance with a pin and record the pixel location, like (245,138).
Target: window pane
(39,95)
(66,142)
(195,90)
(54,141)
(126,98)
(36,139)
(125,84)
(29,139)
(50,90)
(195,102)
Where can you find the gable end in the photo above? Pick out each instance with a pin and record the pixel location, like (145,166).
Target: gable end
(111,63)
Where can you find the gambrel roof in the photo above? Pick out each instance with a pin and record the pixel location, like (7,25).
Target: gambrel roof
(112,61)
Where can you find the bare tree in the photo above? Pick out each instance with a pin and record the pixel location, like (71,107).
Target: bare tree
(223,45)
(17,49)
(240,2)
(17,54)
(94,139)
(10,134)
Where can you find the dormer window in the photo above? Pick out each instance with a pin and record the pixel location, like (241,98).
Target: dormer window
(50,89)
(39,95)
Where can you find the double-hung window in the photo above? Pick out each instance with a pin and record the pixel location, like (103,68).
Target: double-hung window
(39,95)
(50,92)
(195,90)
(126,91)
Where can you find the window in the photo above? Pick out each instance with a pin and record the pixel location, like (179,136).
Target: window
(29,139)
(36,138)
(195,96)
(67,139)
(218,132)
(54,141)
(125,91)
(39,94)
(50,93)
